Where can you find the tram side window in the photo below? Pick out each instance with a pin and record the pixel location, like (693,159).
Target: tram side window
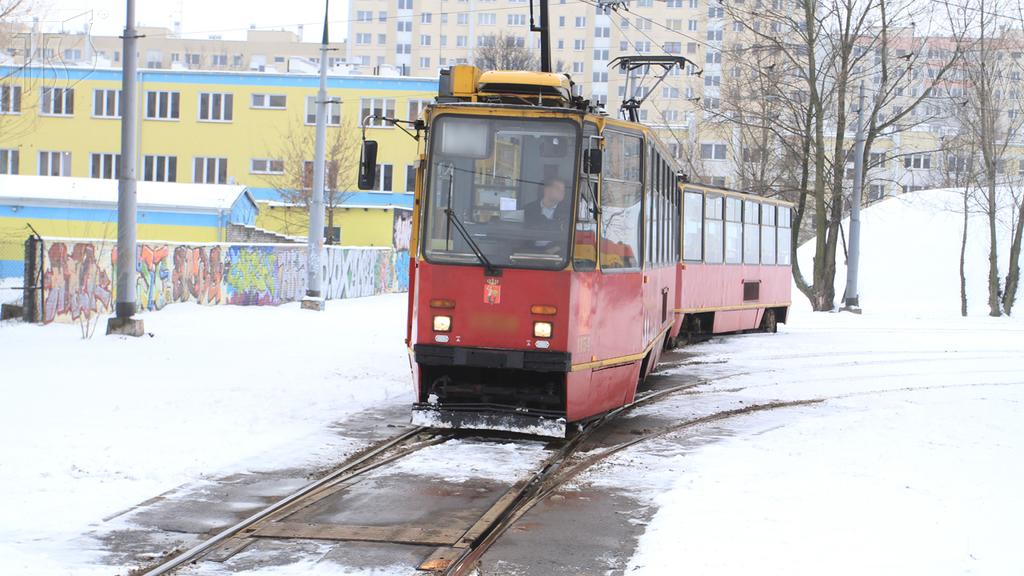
(751,219)
(585,236)
(785,234)
(733,231)
(767,233)
(621,195)
(693,225)
(713,234)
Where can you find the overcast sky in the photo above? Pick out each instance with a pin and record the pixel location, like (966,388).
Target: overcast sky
(200,18)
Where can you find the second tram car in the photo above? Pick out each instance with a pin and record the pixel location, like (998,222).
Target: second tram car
(556,253)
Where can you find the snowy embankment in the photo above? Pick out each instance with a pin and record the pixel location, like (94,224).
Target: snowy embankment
(911,465)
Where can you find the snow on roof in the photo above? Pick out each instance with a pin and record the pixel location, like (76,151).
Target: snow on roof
(53,190)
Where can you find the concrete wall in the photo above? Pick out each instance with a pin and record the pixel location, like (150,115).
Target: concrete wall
(79,275)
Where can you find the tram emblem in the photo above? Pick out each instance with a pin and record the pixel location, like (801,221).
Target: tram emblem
(492,294)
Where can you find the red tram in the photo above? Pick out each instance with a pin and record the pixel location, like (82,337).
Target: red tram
(556,253)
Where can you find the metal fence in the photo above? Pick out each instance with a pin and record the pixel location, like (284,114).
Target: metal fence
(20,277)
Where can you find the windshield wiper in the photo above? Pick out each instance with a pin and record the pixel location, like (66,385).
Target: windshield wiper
(489,268)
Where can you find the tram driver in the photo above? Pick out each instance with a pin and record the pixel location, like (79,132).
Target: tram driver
(549,212)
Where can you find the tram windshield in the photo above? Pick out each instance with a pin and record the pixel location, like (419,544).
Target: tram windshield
(500,191)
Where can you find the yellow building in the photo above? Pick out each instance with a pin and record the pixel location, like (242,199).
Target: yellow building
(244,128)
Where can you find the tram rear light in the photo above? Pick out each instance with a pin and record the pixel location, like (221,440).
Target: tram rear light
(442,303)
(542,329)
(549,310)
(442,323)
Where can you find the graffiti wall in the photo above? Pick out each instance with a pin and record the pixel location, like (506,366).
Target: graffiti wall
(79,276)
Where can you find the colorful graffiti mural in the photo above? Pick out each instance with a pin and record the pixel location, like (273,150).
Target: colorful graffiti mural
(197,275)
(77,275)
(75,284)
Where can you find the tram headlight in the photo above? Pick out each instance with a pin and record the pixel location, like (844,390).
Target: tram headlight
(542,329)
(442,323)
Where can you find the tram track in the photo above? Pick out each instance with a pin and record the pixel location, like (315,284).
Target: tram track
(459,554)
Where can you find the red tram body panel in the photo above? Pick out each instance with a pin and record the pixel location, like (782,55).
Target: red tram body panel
(556,253)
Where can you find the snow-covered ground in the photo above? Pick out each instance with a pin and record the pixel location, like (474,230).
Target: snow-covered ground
(911,465)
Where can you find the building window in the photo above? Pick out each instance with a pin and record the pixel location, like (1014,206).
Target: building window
(9,161)
(364,16)
(10,99)
(669,93)
(405,4)
(105,166)
(461,41)
(410,178)
(405,25)
(215,106)
(673,47)
(424,40)
(55,163)
(162,105)
(57,101)
(600,54)
(416,107)
(106,103)
(712,151)
(918,161)
(462,19)
(517,19)
(219,60)
(378,106)
(383,184)
(578,67)
(266,166)
(275,101)
(403,48)
(486,19)
(160,168)
(333,112)
(716,12)
(210,170)
(579,45)
(581,21)
(424,62)
(425,17)
(364,39)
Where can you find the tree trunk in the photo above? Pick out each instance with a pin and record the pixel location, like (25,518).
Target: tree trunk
(1013,276)
(993,262)
(963,253)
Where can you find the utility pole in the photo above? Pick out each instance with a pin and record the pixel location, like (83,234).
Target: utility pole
(853,255)
(127,199)
(313,299)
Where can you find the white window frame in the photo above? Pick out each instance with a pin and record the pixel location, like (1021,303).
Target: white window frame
(369,106)
(10,99)
(267,101)
(101,99)
(168,165)
(333,112)
(379,183)
(10,160)
(108,164)
(48,103)
(173,97)
(266,166)
(201,166)
(227,112)
(59,160)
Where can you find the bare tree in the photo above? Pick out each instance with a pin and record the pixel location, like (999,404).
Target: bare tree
(290,168)
(990,118)
(789,96)
(504,51)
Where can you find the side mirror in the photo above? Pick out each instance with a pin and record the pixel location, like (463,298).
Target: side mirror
(368,165)
(592,161)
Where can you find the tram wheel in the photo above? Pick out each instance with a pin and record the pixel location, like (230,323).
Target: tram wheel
(769,324)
